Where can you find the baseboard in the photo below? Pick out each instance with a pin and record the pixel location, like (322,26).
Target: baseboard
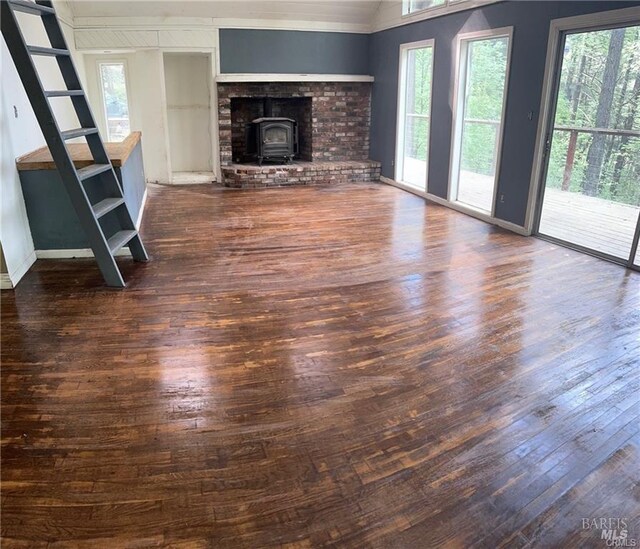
(5,282)
(459,208)
(402,186)
(74,253)
(78,253)
(17,275)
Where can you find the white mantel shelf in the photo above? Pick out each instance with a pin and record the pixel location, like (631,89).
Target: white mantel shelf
(237,77)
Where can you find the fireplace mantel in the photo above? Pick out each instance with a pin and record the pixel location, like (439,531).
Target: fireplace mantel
(272,77)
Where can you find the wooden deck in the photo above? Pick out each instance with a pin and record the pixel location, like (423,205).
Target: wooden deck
(591,222)
(343,366)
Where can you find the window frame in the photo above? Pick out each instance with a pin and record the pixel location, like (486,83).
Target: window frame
(406,7)
(458,103)
(449,6)
(127,81)
(401,110)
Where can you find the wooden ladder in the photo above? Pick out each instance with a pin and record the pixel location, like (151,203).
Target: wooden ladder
(110,198)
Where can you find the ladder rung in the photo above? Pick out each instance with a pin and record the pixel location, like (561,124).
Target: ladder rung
(94,169)
(30,7)
(105,206)
(63,93)
(39,50)
(79,132)
(120,239)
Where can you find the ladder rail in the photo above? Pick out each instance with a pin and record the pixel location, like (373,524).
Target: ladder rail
(72,82)
(86,118)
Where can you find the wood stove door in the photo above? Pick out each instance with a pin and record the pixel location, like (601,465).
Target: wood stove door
(277,139)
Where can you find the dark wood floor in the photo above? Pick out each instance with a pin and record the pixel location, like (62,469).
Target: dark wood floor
(315,366)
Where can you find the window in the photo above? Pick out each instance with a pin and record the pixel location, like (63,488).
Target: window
(414,113)
(412,6)
(114,98)
(483,63)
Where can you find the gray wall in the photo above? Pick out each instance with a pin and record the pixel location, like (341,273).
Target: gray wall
(272,51)
(531,28)
(52,218)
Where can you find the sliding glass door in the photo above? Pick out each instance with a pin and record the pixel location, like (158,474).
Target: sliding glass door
(483,67)
(591,187)
(414,113)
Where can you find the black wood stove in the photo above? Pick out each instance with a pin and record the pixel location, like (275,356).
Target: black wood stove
(272,138)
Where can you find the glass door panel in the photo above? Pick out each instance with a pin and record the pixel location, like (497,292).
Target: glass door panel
(414,114)
(481,94)
(592,184)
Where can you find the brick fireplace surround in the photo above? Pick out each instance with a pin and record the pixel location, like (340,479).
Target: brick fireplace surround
(337,142)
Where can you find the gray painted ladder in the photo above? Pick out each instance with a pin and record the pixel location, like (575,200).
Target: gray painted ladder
(101,172)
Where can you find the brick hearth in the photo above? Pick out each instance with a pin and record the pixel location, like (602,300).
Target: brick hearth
(247,176)
(338,146)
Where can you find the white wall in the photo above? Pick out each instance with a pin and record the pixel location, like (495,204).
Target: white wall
(188,87)
(147,105)
(21,134)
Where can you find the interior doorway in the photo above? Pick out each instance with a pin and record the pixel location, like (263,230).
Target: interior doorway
(188,83)
(589,196)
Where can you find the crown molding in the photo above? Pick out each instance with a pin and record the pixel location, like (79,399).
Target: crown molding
(149,23)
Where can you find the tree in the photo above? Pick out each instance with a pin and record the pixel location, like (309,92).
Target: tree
(595,156)
(621,159)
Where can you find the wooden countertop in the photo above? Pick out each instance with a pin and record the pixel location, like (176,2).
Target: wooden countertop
(40,159)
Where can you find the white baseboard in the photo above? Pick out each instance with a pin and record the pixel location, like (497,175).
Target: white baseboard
(17,274)
(459,208)
(5,282)
(403,186)
(74,253)
(77,253)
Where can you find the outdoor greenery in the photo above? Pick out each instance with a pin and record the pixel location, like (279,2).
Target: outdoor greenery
(115,99)
(486,72)
(418,102)
(487,62)
(599,88)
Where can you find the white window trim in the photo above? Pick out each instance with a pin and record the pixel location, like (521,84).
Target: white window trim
(401,115)
(449,6)
(458,113)
(127,83)
(591,21)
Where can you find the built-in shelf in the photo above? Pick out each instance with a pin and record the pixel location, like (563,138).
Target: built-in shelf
(265,77)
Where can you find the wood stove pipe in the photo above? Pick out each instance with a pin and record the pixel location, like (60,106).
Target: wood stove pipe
(267,107)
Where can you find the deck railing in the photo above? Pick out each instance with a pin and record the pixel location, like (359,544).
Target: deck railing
(573,142)
(496,136)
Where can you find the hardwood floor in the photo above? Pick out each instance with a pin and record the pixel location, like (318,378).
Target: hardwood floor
(302,367)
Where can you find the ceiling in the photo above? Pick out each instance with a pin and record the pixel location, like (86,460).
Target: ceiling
(350,12)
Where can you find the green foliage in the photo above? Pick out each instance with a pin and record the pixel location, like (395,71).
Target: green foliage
(581,86)
(418,102)
(486,72)
(114,89)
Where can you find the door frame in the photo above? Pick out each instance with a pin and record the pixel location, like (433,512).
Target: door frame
(558,30)
(459,109)
(401,114)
